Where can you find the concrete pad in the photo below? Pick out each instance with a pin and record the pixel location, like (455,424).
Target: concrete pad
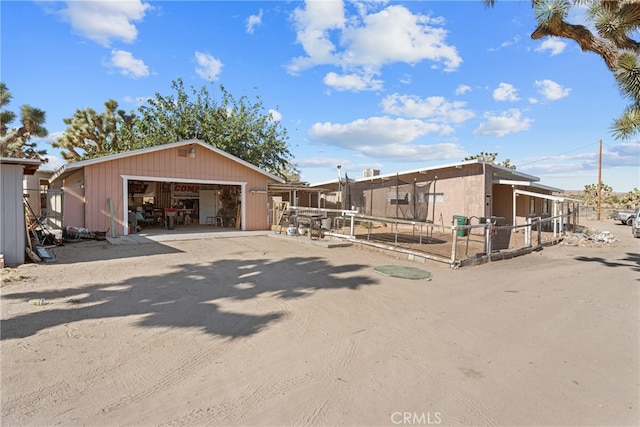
(131,239)
(173,237)
(326,242)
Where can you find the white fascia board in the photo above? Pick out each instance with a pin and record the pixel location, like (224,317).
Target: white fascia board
(546,196)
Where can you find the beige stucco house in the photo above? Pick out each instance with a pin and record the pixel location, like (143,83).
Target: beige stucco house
(470,189)
(206,185)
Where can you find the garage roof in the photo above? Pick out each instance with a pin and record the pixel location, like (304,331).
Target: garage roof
(69,168)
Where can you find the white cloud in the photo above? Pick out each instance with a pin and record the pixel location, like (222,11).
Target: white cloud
(406,79)
(388,137)
(209,68)
(53,163)
(325,162)
(553,45)
(352,82)
(368,41)
(417,152)
(505,92)
(313,24)
(137,100)
(103,21)
(462,89)
(434,107)
(396,35)
(253,21)
(515,40)
(551,90)
(624,154)
(371,131)
(127,65)
(510,121)
(276,116)
(573,171)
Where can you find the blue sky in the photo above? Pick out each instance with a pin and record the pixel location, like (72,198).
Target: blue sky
(382,85)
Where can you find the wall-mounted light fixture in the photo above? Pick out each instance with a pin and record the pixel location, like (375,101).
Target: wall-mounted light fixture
(192,152)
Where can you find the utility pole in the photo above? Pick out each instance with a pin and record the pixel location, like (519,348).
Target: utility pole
(599,181)
(340,186)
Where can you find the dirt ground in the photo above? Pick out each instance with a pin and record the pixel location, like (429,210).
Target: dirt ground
(275,331)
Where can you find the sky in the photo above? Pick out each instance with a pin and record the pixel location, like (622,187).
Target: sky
(385,85)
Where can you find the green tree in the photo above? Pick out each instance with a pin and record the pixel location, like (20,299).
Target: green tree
(491,158)
(590,194)
(291,173)
(615,23)
(90,134)
(14,142)
(239,127)
(631,200)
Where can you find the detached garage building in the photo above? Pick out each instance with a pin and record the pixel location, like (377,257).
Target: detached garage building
(205,185)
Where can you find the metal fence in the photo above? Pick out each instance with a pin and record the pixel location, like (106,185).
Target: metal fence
(457,245)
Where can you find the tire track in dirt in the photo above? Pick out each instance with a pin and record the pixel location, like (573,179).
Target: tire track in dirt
(449,385)
(316,417)
(27,404)
(62,391)
(180,370)
(65,391)
(249,400)
(256,399)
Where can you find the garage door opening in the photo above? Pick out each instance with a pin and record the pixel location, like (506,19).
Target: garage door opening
(178,205)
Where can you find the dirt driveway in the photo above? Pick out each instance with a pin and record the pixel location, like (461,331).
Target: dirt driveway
(273,331)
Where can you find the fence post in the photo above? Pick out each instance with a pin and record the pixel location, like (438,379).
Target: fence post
(454,244)
(487,238)
(527,233)
(352,228)
(539,219)
(396,234)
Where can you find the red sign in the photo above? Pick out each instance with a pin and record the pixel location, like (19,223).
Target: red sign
(185,190)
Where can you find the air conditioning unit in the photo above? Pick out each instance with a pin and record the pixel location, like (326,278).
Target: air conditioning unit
(368,173)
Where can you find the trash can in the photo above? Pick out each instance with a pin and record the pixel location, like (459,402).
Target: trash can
(461,220)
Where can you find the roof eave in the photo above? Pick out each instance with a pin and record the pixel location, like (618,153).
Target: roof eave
(82,163)
(30,165)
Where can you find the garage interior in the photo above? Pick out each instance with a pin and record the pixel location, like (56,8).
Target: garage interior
(155,204)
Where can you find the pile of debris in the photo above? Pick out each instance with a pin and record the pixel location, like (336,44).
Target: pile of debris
(587,236)
(72,234)
(39,237)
